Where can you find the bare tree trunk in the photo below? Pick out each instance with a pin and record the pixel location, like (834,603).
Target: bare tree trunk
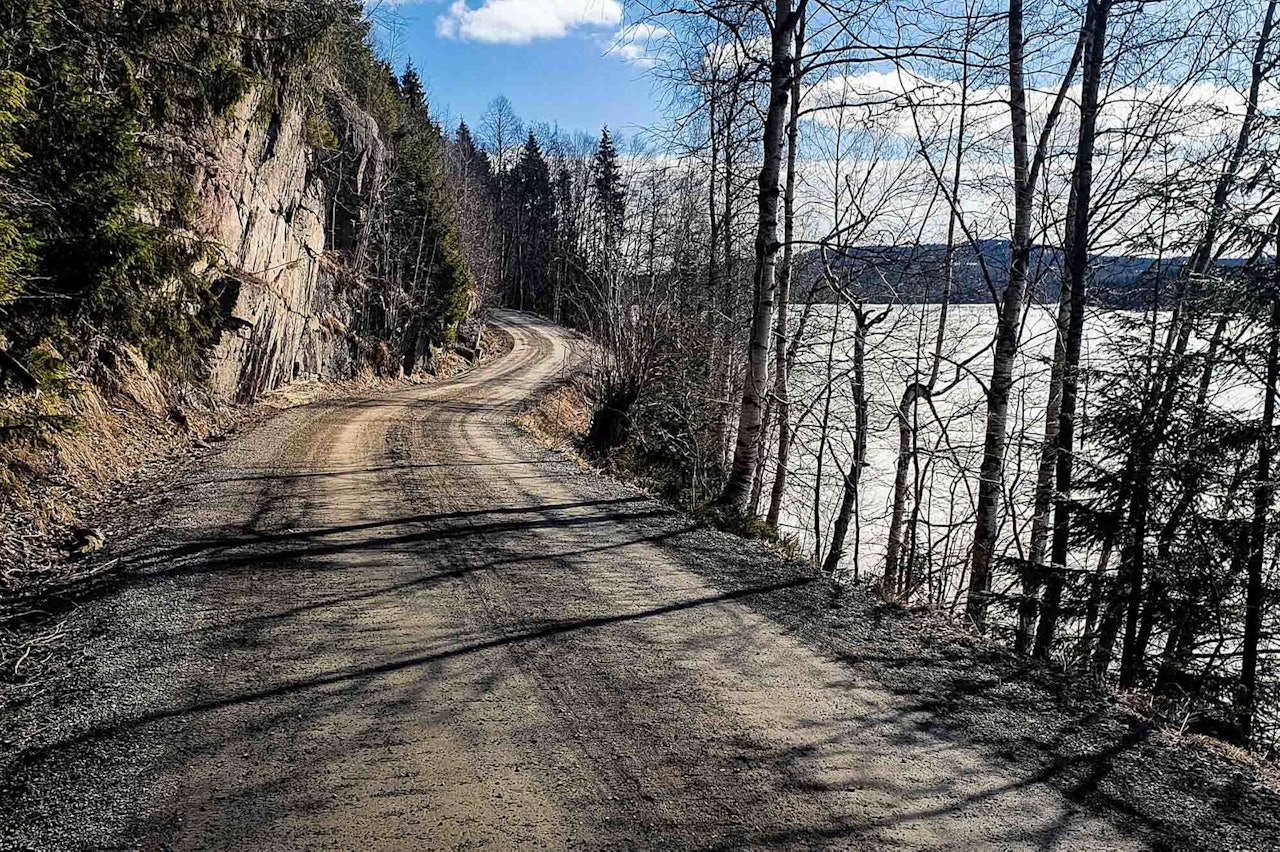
(1093,606)
(1026,168)
(1133,573)
(728,285)
(1077,258)
(1109,622)
(766,438)
(823,431)
(991,473)
(756,381)
(1028,604)
(778,491)
(915,390)
(857,460)
(897,514)
(1263,495)
(713,278)
(713,267)
(780,353)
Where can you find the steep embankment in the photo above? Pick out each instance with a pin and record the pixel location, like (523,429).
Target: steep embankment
(198,206)
(294,204)
(267,202)
(259,200)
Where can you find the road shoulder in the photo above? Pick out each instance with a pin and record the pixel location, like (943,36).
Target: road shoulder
(1044,726)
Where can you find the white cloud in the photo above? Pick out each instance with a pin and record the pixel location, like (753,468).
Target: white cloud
(883,101)
(523,21)
(638,44)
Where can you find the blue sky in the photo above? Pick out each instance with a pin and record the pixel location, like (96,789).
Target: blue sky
(551,58)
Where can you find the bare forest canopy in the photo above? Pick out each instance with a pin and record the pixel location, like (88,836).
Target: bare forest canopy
(1094,486)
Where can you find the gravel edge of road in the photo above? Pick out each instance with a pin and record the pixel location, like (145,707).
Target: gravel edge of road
(91,677)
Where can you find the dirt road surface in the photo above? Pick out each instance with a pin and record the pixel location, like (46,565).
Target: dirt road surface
(396,623)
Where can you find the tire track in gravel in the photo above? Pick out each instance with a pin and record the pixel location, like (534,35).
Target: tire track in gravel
(417,630)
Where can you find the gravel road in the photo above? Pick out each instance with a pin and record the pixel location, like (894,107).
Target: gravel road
(396,623)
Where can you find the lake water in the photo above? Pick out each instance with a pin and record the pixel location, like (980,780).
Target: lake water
(899,351)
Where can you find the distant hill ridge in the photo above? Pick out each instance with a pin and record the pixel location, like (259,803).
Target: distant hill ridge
(914,274)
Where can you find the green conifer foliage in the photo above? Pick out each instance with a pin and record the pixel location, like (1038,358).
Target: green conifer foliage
(609,198)
(534,224)
(16,243)
(100,101)
(90,243)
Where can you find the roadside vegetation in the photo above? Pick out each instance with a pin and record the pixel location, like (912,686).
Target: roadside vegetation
(106,110)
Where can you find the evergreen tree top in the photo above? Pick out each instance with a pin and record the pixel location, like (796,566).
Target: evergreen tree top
(606,180)
(464,140)
(411,88)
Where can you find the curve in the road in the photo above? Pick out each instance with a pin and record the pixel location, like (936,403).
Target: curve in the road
(404,626)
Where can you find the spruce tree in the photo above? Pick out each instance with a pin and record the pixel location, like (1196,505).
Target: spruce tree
(533,225)
(608,201)
(428,262)
(411,89)
(473,159)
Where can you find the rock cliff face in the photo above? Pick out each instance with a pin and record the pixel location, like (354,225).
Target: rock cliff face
(281,211)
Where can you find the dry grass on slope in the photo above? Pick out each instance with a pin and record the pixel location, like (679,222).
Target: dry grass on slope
(558,418)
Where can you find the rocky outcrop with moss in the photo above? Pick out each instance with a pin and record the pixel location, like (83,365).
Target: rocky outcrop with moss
(283,289)
(241,191)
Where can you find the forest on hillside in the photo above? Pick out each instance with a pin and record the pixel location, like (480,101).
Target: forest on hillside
(111,119)
(824,165)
